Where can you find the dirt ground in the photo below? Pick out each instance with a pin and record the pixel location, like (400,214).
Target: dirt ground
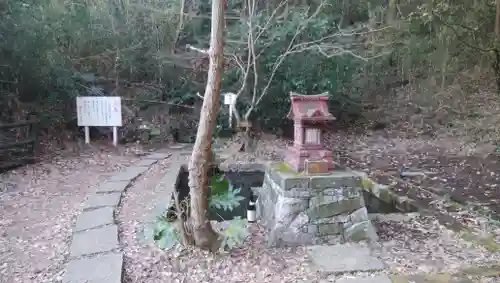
(411,244)
(38,206)
(468,174)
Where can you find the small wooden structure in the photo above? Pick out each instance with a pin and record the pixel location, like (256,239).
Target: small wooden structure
(308,152)
(17,144)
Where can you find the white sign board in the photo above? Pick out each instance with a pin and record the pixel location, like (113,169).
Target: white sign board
(229,98)
(99,111)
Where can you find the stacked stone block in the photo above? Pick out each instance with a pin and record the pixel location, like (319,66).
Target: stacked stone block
(301,209)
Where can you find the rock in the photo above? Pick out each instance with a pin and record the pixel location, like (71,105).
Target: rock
(102,268)
(330,229)
(94,218)
(112,187)
(300,207)
(366,279)
(335,208)
(157,156)
(287,209)
(129,174)
(359,215)
(101,200)
(360,231)
(146,162)
(94,241)
(346,258)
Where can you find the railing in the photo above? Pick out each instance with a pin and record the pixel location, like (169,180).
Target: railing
(17,144)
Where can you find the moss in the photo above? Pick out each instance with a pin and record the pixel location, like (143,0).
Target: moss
(386,196)
(491,270)
(367,184)
(398,279)
(488,242)
(467,235)
(439,278)
(283,167)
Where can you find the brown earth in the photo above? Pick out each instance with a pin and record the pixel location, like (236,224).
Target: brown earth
(466,174)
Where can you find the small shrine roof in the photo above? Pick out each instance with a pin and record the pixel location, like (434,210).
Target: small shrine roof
(309,107)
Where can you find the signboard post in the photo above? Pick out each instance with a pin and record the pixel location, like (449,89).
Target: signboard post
(229,99)
(99,111)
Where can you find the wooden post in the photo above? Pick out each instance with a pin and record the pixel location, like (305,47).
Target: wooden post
(115,136)
(87,135)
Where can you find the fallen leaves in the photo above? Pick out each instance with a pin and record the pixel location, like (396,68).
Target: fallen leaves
(38,209)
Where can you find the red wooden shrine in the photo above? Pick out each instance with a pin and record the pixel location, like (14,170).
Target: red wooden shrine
(308,153)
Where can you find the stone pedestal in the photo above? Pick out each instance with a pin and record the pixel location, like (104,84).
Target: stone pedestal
(297,156)
(301,209)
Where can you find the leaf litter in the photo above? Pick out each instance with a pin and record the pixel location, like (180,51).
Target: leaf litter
(38,207)
(409,244)
(41,201)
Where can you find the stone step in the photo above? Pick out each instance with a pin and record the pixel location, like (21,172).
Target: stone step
(430,278)
(345,258)
(365,279)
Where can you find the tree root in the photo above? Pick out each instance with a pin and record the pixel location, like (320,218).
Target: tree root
(204,237)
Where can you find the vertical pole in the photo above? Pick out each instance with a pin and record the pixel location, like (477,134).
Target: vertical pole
(87,135)
(230,115)
(115,136)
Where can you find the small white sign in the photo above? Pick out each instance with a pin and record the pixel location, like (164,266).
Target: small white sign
(99,111)
(229,98)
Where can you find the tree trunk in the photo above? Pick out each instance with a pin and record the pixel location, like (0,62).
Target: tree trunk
(204,236)
(497,19)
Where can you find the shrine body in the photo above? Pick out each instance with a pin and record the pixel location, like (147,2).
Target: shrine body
(309,113)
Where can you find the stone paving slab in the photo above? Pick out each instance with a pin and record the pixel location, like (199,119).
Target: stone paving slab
(106,268)
(101,200)
(112,187)
(157,156)
(100,240)
(367,279)
(165,188)
(180,146)
(129,174)
(430,278)
(145,162)
(343,258)
(95,233)
(94,218)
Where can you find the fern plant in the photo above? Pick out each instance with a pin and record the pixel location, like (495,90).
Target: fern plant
(226,201)
(222,196)
(164,233)
(234,234)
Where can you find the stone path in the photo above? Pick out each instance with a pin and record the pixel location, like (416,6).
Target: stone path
(346,261)
(344,258)
(347,258)
(95,253)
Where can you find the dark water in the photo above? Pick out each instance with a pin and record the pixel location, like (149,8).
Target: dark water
(243,180)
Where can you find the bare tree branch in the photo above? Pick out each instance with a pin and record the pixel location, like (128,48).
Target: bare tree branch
(181,23)
(324,46)
(280,60)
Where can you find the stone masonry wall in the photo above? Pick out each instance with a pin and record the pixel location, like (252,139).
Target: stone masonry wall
(298,209)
